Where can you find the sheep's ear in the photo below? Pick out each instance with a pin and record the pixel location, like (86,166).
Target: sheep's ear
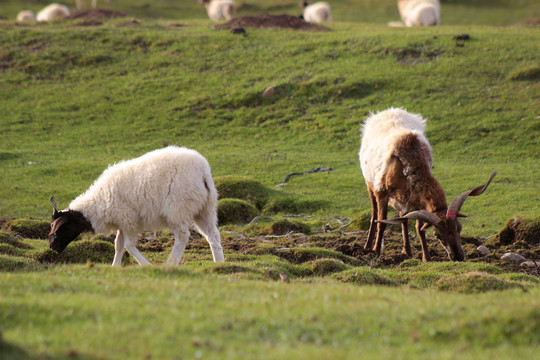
(53,202)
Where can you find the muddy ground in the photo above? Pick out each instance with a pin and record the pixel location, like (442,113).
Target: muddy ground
(283,21)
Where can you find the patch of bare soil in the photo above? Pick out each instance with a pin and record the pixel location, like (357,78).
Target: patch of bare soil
(283,21)
(96,14)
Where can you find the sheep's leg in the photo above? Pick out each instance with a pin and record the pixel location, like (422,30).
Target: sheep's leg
(425,250)
(206,225)
(372,224)
(405,234)
(130,242)
(381,215)
(119,248)
(181,238)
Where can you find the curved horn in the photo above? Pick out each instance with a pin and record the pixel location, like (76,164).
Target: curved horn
(457,203)
(423,215)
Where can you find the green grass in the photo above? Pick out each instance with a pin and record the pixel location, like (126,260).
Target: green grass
(75,99)
(118,91)
(101,312)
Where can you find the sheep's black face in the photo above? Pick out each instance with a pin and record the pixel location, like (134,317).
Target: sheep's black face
(65,227)
(448,232)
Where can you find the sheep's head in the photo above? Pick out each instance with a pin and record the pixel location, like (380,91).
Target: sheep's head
(66,225)
(446,227)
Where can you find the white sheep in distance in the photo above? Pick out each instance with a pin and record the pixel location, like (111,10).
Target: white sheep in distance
(395,158)
(53,11)
(219,9)
(418,13)
(170,187)
(79,3)
(317,12)
(26,15)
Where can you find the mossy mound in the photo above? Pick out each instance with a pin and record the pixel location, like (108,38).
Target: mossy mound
(242,188)
(287,204)
(518,229)
(304,254)
(28,228)
(475,282)
(529,73)
(10,240)
(235,211)
(322,267)
(79,252)
(361,221)
(14,263)
(364,276)
(284,226)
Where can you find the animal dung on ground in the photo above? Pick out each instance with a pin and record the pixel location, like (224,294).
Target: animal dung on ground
(238,30)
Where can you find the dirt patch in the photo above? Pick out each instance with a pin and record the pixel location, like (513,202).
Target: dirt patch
(96,13)
(283,21)
(90,22)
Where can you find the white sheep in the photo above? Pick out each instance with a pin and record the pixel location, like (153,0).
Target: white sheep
(395,158)
(418,13)
(317,12)
(53,11)
(26,15)
(170,187)
(79,3)
(219,9)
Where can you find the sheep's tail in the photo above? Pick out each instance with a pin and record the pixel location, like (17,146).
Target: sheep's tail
(212,194)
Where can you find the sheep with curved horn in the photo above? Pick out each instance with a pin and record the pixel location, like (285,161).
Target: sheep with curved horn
(395,158)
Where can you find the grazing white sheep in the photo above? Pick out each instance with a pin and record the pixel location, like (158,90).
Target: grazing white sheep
(170,187)
(419,13)
(79,3)
(219,9)
(26,15)
(317,12)
(395,158)
(53,11)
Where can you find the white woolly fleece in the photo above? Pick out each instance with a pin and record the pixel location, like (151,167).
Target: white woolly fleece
(381,131)
(318,12)
(220,9)
(53,11)
(165,187)
(420,12)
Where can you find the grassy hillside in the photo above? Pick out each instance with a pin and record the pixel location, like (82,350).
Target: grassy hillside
(454,12)
(77,98)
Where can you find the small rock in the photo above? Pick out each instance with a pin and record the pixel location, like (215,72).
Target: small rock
(483,250)
(513,257)
(268,92)
(529,263)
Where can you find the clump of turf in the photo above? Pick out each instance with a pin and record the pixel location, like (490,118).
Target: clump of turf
(475,282)
(287,204)
(242,188)
(284,226)
(531,73)
(361,221)
(12,263)
(9,239)
(322,267)
(518,229)
(79,252)
(304,254)
(28,228)
(235,211)
(364,276)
